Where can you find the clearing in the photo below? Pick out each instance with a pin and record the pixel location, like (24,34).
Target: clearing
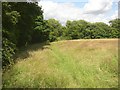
(70,63)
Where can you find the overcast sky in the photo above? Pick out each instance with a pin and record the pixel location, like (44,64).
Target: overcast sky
(89,10)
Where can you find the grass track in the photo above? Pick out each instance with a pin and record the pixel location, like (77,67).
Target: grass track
(70,63)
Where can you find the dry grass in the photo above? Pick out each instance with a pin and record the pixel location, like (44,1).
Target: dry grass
(70,63)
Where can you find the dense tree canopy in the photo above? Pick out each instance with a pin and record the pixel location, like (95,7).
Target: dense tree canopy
(18,21)
(85,30)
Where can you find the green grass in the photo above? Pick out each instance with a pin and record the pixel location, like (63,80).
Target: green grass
(70,63)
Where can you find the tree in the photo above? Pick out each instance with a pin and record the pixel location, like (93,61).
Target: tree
(41,31)
(55,29)
(75,29)
(9,32)
(29,12)
(115,27)
(101,30)
(18,22)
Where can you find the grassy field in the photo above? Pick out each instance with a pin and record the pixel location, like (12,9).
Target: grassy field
(70,63)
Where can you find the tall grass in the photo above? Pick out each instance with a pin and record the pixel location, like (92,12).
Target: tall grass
(71,64)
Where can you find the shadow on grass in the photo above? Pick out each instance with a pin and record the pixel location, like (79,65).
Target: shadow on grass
(24,52)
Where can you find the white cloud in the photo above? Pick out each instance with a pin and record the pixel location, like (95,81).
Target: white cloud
(98,6)
(68,11)
(60,11)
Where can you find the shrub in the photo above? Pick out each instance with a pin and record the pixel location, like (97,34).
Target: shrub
(8,50)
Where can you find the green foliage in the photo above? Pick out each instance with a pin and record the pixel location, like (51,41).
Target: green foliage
(18,22)
(84,30)
(13,17)
(41,32)
(55,29)
(9,20)
(115,26)
(76,29)
(8,51)
(29,12)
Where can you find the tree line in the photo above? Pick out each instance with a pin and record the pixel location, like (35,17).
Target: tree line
(23,24)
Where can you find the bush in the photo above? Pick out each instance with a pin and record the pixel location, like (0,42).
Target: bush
(8,50)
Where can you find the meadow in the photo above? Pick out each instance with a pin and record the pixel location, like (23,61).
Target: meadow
(83,63)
